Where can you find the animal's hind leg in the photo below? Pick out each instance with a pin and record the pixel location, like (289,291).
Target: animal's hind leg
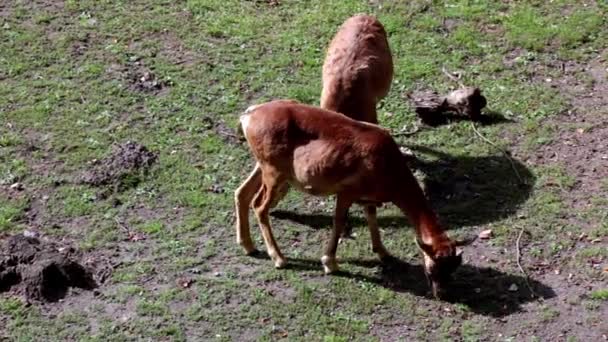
(347,232)
(281,192)
(262,203)
(243,197)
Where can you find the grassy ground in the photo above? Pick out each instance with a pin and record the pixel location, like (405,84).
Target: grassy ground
(78,76)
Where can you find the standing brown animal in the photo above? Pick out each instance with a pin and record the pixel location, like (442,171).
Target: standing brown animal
(357,73)
(323,153)
(358,69)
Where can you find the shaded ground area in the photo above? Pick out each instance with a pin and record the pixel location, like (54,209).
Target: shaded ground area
(466,191)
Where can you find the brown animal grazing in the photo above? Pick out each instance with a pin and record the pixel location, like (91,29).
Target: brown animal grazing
(358,69)
(357,73)
(322,153)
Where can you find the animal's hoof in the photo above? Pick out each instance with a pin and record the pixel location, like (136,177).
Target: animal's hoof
(438,290)
(386,259)
(347,236)
(250,250)
(280,263)
(383,254)
(330,265)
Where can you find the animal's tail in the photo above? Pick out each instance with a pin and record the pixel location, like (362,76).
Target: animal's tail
(244,119)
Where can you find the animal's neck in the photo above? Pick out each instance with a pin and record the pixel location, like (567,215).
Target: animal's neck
(413,204)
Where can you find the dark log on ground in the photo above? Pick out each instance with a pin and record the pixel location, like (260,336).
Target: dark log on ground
(430,105)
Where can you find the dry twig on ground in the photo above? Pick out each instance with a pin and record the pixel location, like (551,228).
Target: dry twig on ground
(521,269)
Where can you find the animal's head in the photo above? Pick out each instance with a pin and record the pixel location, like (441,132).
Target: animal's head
(441,259)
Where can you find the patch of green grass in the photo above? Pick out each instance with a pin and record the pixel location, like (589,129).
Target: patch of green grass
(549,314)
(590,252)
(10,139)
(12,170)
(469,39)
(471,331)
(153,228)
(76,201)
(527,27)
(601,231)
(557,176)
(10,213)
(133,272)
(547,204)
(333,338)
(126,292)
(12,307)
(599,295)
(533,28)
(538,135)
(146,307)
(580,27)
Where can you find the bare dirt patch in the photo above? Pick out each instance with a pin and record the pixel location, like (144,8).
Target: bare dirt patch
(580,139)
(581,146)
(174,50)
(127,159)
(41,270)
(81,45)
(139,77)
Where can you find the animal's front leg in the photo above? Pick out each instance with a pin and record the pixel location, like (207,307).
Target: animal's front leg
(372,222)
(328,260)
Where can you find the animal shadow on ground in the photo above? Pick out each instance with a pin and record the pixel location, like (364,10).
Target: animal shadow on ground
(484,290)
(464,190)
(488,118)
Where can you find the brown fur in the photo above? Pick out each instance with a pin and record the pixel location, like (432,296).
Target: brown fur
(324,153)
(357,73)
(358,69)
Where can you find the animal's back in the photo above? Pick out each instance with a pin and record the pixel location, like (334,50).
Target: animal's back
(358,68)
(320,152)
(289,123)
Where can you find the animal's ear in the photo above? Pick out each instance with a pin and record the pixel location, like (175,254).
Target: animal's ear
(458,251)
(426,249)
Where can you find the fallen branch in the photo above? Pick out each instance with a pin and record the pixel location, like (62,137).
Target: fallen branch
(430,105)
(521,269)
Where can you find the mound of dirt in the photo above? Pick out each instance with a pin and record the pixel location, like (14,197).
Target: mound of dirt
(126,159)
(138,77)
(40,270)
(143,79)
